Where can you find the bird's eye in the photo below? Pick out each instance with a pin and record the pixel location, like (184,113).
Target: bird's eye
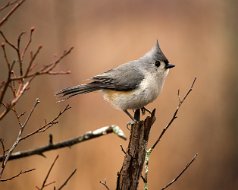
(157,63)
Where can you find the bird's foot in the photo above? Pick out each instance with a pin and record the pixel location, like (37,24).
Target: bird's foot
(134,119)
(144,109)
(131,123)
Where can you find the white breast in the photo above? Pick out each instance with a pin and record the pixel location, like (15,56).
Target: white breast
(148,90)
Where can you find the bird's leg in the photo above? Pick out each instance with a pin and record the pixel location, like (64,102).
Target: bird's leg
(144,109)
(127,113)
(137,115)
(134,120)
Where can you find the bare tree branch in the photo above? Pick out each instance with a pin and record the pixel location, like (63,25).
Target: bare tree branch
(24,78)
(22,127)
(47,69)
(150,150)
(68,143)
(181,173)
(181,101)
(17,5)
(7,154)
(47,125)
(17,82)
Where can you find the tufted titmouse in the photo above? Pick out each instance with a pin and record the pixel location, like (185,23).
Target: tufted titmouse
(131,85)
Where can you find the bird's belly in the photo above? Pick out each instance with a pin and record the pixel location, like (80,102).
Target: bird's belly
(146,92)
(134,99)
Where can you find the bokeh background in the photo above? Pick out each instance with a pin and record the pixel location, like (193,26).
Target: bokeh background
(199,37)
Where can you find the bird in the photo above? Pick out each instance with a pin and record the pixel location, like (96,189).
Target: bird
(129,86)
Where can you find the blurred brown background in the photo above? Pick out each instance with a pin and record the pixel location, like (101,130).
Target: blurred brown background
(199,37)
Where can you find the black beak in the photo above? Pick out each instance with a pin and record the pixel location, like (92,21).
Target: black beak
(169,66)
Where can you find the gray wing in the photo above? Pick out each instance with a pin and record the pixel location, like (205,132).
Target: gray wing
(123,78)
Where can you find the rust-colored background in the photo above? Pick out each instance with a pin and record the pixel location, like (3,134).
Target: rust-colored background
(199,37)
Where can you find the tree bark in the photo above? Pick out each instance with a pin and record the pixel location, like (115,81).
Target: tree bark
(130,173)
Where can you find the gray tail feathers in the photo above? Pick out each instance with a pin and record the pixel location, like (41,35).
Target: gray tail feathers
(75,90)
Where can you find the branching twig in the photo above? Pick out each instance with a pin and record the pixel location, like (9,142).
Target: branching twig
(26,76)
(181,173)
(17,175)
(48,173)
(6,155)
(7,41)
(24,79)
(47,125)
(122,149)
(150,150)
(22,127)
(30,63)
(68,143)
(104,183)
(45,184)
(22,88)
(181,101)
(47,69)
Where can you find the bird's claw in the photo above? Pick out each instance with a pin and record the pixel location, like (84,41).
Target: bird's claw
(130,123)
(144,109)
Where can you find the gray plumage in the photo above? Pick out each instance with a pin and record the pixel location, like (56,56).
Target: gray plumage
(120,79)
(131,85)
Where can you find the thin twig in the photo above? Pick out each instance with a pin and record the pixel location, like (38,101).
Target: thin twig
(28,43)
(5,18)
(47,125)
(59,72)
(21,89)
(181,101)
(4,90)
(5,56)
(67,180)
(17,175)
(31,112)
(146,168)
(15,144)
(3,152)
(50,67)
(104,183)
(7,41)
(23,85)
(19,52)
(48,173)
(150,150)
(8,4)
(32,61)
(47,69)
(181,173)
(122,149)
